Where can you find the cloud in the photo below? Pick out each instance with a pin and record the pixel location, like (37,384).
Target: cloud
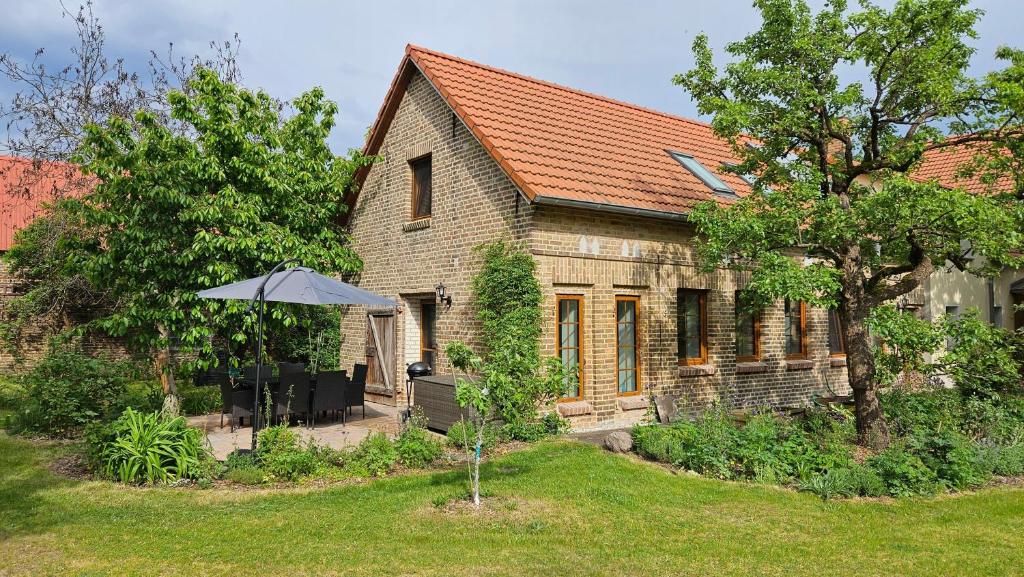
(624,50)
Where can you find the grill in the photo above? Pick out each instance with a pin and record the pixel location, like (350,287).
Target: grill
(419,369)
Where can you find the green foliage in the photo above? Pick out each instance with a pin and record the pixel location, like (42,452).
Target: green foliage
(984,360)
(197,400)
(375,455)
(67,390)
(903,472)
(281,455)
(851,481)
(417,448)
(237,190)
(551,424)
(906,339)
(313,339)
(151,448)
(462,435)
(1005,461)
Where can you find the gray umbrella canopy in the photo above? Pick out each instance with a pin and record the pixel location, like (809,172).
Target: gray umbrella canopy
(300,285)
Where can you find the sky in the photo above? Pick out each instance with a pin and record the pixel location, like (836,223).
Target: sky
(627,50)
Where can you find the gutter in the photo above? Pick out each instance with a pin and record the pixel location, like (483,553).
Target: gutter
(610,208)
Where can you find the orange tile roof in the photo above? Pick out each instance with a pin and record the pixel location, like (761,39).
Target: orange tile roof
(25,186)
(561,143)
(943,165)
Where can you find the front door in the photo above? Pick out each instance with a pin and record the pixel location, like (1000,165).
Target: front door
(380,350)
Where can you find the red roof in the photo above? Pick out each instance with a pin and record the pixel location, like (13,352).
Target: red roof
(943,165)
(560,143)
(25,186)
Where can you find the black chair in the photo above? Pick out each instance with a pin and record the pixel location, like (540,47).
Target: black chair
(283,368)
(293,395)
(329,394)
(355,389)
(241,405)
(226,400)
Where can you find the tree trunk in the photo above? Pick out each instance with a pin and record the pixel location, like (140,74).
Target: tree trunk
(872,429)
(165,368)
(476,463)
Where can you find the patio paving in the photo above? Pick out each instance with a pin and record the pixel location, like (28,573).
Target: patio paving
(336,435)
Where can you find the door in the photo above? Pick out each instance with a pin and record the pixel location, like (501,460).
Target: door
(380,350)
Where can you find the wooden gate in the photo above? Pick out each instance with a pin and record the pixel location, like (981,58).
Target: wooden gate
(380,351)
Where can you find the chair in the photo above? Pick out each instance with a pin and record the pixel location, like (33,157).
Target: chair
(226,391)
(241,405)
(283,368)
(293,395)
(355,389)
(330,393)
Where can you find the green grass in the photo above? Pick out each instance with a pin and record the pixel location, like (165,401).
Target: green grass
(575,510)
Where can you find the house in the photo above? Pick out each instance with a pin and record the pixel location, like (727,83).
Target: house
(598,192)
(26,186)
(950,291)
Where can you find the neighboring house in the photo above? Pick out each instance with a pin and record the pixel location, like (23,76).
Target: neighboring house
(950,291)
(26,187)
(598,192)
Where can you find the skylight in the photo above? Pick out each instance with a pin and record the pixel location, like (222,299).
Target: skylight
(706,176)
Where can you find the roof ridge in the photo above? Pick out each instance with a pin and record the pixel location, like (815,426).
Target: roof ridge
(412,47)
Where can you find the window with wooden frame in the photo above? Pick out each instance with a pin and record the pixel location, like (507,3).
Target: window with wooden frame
(569,341)
(421,186)
(428,334)
(627,350)
(691,326)
(836,339)
(748,330)
(796,329)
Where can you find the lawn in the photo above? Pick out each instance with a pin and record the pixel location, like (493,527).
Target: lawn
(564,509)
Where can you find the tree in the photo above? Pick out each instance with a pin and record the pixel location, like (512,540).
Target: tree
(506,380)
(175,212)
(831,158)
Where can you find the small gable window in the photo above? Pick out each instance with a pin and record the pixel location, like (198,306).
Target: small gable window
(700,171)
(421,186)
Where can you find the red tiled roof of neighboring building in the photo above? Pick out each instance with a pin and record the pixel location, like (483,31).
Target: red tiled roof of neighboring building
(561,143)
(943,165)
(26,186)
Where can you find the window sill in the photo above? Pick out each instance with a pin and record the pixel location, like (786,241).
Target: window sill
(751,367)
(837,362)
(799,365)
(632,403)
(418,224)
(574,408)
(696,370)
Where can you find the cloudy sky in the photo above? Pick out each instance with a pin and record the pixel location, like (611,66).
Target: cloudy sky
(625,50)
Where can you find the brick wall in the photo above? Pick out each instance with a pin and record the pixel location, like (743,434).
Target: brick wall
(596,255)
(473,203)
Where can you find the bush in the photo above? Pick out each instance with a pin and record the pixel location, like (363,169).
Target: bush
(462,436)
(150,448)
(983,360)
(531,431)
(374,456)
(1003,461)
(198,400)
(282,457)
(903,472)
(68,390)
(852,481)
(954,459)
(244,469)
(416,446)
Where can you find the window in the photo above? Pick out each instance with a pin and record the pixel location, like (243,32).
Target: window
(428,333)
(421,187)
(748,331)
(627,354)
(796,329)
(569,342)
(700,171)
(691,330)
(836,339)
(997,316)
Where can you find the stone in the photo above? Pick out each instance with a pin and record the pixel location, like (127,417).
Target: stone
(619,442)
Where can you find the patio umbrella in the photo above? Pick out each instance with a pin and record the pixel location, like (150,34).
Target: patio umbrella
(294,285)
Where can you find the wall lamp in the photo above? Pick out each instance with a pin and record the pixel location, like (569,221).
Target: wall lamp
(443,297)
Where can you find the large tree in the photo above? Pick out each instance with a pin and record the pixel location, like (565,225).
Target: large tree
(242,188)
(830,112)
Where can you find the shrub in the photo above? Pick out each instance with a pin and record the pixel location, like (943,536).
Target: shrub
(531,431)
(903,472)
(1003,461)
(982,360)
(243,468)
(852,481)
(151,448)
(375,456)
(462,436)
(199,400)
(954,459)
(66,391)
(281,455)
(417,448)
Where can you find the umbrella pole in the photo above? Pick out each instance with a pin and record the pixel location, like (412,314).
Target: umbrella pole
(259,366)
